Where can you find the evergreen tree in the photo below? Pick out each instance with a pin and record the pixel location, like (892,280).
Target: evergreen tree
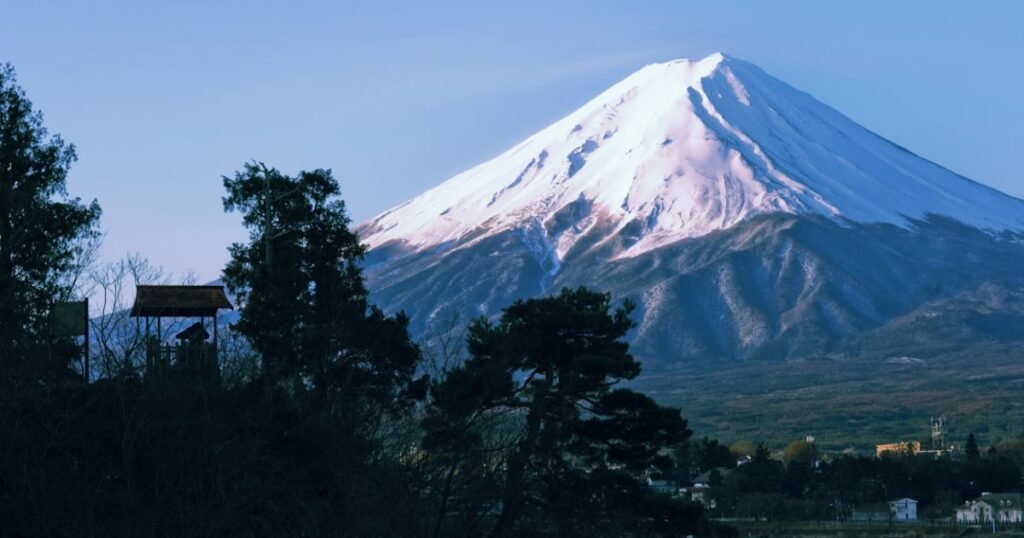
(550,365)
(328,355)
(762,474)
(709,453)
(266,275)
(972,447)
(304,305)
(41,227)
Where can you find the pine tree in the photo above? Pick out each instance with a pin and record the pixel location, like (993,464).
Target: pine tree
(41,227)
(553,363)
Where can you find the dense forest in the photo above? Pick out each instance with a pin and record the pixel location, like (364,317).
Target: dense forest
(326,419)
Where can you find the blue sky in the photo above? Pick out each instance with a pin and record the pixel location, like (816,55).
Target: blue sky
(161,99)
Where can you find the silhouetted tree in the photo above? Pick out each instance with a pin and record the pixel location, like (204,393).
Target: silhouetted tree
(971,448)
(119,340)
(549,366)
(763,474)
(304,303)
(41,227)
(709,453)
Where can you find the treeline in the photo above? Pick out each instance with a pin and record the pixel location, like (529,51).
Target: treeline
(342,426)
(800,484)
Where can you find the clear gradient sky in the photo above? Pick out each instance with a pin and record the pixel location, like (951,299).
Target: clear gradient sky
(162,98)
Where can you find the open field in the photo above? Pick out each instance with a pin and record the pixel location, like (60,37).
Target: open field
(853,404)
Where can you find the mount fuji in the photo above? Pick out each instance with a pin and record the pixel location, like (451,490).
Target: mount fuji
(745,218)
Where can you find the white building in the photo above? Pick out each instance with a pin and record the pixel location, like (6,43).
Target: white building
(903,509)
(998,507)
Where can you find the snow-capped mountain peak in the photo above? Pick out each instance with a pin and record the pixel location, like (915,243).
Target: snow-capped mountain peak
(680,149)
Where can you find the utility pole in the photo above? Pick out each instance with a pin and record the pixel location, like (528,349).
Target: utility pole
(268,220)
(85,322)
(268,216)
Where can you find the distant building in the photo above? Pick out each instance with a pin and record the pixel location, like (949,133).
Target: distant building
(700,488)
(998,507)
(937,449)
(900,510)
(700,494)
(903,509)
(911,447)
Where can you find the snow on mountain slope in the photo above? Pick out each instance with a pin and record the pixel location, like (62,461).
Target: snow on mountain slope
(681,149)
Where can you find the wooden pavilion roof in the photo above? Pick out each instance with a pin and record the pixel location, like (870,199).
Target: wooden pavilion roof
(179,301)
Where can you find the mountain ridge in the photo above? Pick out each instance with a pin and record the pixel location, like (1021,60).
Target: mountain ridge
(744,217)
(686,148)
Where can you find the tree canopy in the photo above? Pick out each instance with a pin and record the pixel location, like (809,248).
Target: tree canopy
(971,448)
(549,366)
(304,304)
(42,228)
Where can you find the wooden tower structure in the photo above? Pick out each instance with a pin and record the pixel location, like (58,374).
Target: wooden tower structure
(193,350)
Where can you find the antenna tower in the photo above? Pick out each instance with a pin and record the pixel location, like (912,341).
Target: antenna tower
(939,433)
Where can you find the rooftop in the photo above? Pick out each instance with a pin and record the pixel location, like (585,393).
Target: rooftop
(1003,499)
(179,301)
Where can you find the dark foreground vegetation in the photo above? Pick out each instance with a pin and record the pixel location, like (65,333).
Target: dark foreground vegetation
(326,419)
(329,420)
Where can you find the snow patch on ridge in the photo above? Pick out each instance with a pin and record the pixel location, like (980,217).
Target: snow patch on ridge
(685,148)
(537,242)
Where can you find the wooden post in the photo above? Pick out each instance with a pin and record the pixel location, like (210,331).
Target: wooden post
(202,344)
(150,359)
(49,346)
(159,343)
(216,350)
(87,371)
